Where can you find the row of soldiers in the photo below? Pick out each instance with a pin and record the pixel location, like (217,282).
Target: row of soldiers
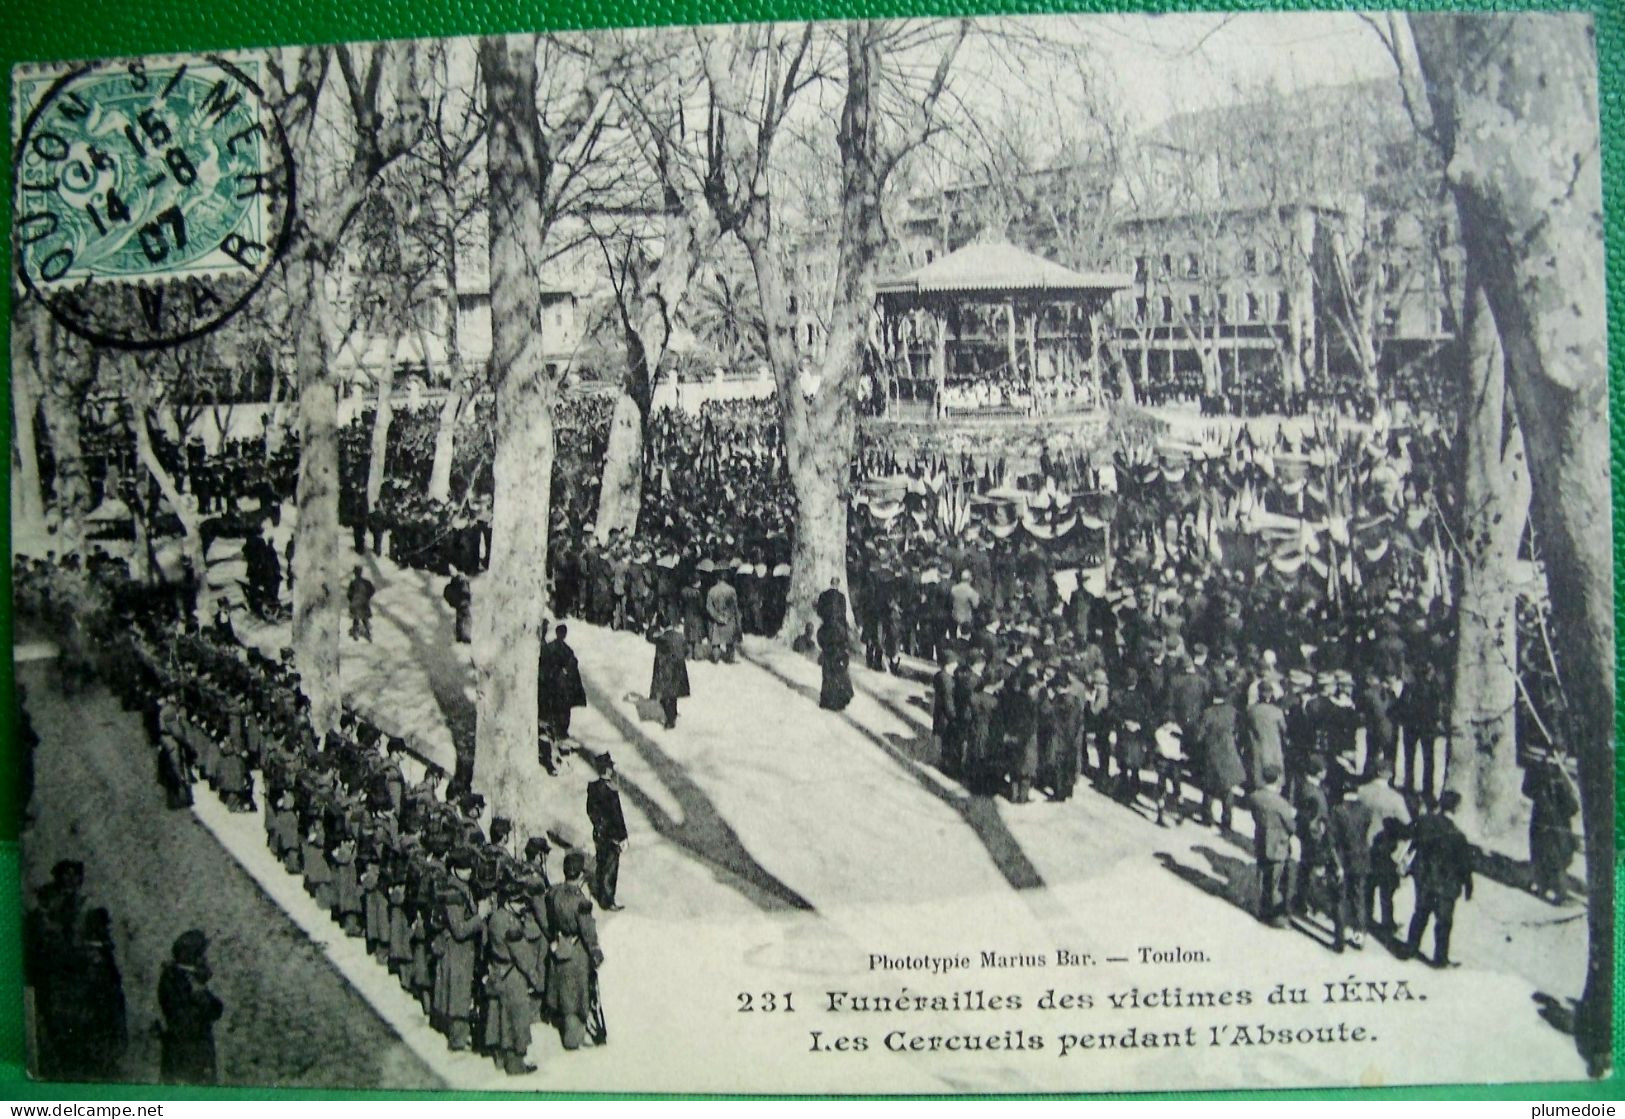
(471,923)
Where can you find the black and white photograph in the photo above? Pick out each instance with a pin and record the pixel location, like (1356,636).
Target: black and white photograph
(1007,555)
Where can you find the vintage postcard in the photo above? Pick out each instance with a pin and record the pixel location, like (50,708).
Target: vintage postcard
(944,556)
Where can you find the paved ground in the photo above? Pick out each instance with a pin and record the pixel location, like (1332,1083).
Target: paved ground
(291,1019)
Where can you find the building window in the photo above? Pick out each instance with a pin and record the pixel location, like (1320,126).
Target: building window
(793,304)
(1167,264)
(1224,306)
(1139,310)
(1283,307)
(1193,304)
(1249,260)
(1167,308)
(1193,267)
(809,334)
(1142,266)
(1252,307)
(1447,319)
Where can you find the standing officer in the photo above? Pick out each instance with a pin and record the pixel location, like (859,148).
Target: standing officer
(608,832)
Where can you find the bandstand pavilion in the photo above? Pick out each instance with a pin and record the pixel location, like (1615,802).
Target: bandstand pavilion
(992,330)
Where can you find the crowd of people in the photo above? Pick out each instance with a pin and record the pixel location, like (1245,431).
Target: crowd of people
(474,923)
(1250,623)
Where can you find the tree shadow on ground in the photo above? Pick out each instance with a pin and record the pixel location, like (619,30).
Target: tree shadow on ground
(436,653)
(1558,1012)
(979,812)
(702,831)
(1227,877)
(1516,874)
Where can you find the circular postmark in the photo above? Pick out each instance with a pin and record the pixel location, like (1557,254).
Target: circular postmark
(152,196)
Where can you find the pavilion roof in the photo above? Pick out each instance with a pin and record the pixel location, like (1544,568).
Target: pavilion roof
(1001,267)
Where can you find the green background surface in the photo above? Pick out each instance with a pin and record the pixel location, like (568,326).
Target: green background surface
(43,30)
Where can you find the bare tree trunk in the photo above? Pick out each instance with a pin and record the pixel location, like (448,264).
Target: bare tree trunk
(60,407)
(620,494)
(648,330)
(445,444)
(511,596)
(191,530)
(378,453)
(273,413)
(445,434)
(27,498)
(820,419)
(1495,507)
(318,602)
(1501,88)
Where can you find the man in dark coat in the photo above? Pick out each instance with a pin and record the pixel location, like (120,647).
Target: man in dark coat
(1187,699)
(1266,734)
(558,682)
(190,1011)
(669,681)
(834,652)
(608,832)
(512,973)
(1443,868)
(456,948)
(1274,825)
(1551,834)
(1377,711)
(1315,836)
(1351,829)
(1221,770)
(460,597)
(360,594)
(575,955)
(942,709)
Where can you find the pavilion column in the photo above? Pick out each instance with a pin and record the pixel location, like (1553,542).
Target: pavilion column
(1010,334)
(1032,352)
(939,360)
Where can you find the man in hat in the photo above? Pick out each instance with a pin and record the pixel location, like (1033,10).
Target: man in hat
(575,955)
(943,715)
(1274,831)
(965,600)
(608,832)
(558,682)
(1387,836)
(220,628)
(512,973)
(1265,741)
(1553,805)
(669,680)
(1379,701)
(1220,768)
(722,608)
(459,595)
(359,595)
(456,951)
(1351,828)
(51,950)
(1443,868)
(1318,865)
(190,1010)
